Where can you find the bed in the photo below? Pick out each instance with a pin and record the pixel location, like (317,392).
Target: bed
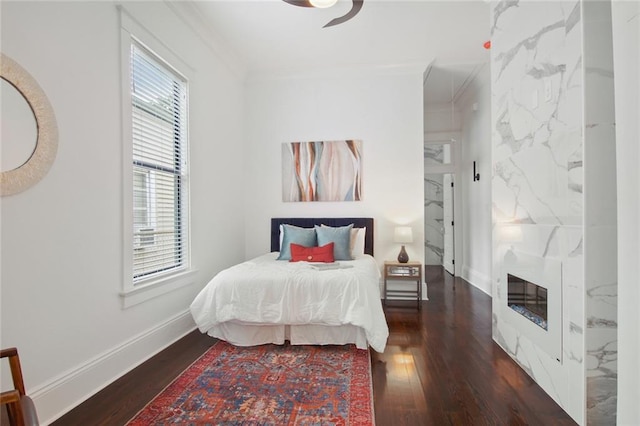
(266,300)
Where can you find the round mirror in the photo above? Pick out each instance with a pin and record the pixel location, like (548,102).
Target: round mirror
(19,132)
(29,130)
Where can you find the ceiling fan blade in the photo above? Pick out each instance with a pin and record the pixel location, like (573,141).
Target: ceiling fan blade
(357,5)
(301,3)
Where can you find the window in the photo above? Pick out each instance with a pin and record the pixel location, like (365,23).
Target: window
(159,162)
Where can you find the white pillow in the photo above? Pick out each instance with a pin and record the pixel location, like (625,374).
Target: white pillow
(357,241)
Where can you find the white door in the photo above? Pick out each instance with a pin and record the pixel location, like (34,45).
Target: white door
(447,205)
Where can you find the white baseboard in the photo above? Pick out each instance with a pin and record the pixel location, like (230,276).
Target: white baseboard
(63,393)
(477,279)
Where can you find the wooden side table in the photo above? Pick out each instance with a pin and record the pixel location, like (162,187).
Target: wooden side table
(396,271)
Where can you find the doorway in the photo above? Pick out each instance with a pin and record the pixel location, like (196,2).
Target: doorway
(443,86)
(439,222)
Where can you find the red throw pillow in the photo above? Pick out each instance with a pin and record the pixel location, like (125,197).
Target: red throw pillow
(311,254)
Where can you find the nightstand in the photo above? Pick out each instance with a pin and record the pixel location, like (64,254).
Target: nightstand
(396,271)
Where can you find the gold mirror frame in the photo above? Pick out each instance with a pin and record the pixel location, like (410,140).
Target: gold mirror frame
(40,161)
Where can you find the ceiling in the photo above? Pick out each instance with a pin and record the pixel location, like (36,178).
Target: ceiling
(444,84)
(269,36)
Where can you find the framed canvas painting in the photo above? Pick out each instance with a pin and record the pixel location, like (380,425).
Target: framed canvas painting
(322,171)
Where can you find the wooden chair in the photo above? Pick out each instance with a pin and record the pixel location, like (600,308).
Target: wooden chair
(20,407)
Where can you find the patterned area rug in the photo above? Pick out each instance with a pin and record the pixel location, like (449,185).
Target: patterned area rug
(268,385)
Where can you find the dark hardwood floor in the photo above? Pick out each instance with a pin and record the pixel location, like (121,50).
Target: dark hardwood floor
(440,367)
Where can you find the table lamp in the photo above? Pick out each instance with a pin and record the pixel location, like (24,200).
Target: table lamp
(403,234)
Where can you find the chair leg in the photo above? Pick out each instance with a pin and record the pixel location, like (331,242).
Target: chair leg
(16,417)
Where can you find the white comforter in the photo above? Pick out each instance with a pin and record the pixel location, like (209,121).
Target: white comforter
(268,291)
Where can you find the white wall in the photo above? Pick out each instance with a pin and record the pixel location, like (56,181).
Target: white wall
(383,108)
(626,57)
(440,118)
(62,238)
(475,110)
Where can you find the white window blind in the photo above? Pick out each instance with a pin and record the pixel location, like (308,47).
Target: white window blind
(159,132)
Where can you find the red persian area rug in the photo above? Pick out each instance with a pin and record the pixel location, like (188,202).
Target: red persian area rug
(268,385)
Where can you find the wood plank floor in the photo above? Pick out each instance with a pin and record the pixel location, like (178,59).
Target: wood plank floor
(440,367)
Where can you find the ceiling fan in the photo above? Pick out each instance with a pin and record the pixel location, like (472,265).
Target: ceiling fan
(357,5)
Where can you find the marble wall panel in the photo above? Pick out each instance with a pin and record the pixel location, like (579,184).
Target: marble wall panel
(537,120)
(537,183)
(437,154)
(554,178)
(433,219)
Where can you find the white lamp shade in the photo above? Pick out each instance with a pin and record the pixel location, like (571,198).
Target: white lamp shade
(322,3)
(403,234)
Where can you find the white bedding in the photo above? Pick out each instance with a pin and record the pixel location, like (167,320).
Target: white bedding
(267,295)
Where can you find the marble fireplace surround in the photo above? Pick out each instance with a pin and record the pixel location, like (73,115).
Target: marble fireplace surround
(554,175)
(547,273)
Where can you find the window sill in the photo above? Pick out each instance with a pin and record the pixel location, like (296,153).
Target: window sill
(154,288)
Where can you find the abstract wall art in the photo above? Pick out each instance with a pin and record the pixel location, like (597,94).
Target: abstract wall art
(322,171)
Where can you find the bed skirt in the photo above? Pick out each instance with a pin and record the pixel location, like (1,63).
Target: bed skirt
(240,334)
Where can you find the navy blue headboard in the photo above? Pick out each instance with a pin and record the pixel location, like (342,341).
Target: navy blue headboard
(310,222)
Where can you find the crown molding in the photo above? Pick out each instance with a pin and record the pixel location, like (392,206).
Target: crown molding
(189,12)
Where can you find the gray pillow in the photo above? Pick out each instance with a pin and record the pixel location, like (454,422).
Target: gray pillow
(294,234)
(340,237)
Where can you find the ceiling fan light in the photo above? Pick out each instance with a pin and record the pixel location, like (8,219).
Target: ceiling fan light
(322,3)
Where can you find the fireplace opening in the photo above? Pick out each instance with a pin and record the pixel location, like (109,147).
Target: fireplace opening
(528,299)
